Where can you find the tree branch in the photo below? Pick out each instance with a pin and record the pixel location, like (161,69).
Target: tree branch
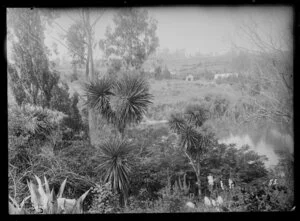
(97,19)
(71,18)
(69,48)
(60,26)
(191,160)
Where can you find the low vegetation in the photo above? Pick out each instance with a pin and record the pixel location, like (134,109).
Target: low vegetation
(161,177)
(157,147)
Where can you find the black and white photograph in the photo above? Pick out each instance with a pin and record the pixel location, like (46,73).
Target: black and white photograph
(150,109)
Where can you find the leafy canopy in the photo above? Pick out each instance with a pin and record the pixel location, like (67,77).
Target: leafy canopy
(188,126)
(31,78)
(133,39)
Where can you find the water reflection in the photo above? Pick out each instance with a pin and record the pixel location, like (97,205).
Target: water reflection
(265,142)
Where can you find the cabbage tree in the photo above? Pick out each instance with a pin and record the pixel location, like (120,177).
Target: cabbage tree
(116,164)
(194,139)
(122,101)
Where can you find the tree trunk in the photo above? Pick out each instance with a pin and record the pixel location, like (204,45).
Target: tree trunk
(92,116)
(91,60)
(198,176)
(196,169)
(123,198)
(199,184)
(87,70)
(94,119)
(90,75)
(93,128)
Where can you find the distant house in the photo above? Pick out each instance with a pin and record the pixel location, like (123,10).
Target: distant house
(225,75)
(173,72)
(189,78)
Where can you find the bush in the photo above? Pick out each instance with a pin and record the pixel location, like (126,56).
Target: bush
(158,73)
(171,200)
(74,75)
(29,125)
(148,179)
(166,73)
(79,158)
(163,111)
(259,197)
(140,203)
(157,158)
(104,200)
(217,104)
(206,75)
(60,98)
(74,121)
(72,124)
(32,134)
(30,129)
(114,67)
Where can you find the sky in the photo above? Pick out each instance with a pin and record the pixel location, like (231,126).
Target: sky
(195,29)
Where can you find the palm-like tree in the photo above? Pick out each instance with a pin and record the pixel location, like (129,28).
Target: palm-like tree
(194,141)
(115,157)
(121,101)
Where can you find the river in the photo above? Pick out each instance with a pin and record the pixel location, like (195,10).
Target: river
(268,143)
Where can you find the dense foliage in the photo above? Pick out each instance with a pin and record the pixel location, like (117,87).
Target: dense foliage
(31,77)
(178,164)
(161,179)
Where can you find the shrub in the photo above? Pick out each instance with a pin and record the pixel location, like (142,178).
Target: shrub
(31,131)
(166,73)
(104,200)
(207,75)
(259,197)
(157,158)
(30,127)
(74,75)
(47,202)
(114,67)
(229,80)
(146,179)
(60,98)
(171,199)
(74,121)
(158,73)
(217,104)
(79,157)
(136,205)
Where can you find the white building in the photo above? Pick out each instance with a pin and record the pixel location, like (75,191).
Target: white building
(225,75)
(189,78)
(173,72)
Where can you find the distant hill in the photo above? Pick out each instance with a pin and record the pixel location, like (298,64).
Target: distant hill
(193,65)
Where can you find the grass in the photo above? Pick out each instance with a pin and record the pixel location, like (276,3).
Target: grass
(174,91)
(164,91)
(169,95)
(174,95)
